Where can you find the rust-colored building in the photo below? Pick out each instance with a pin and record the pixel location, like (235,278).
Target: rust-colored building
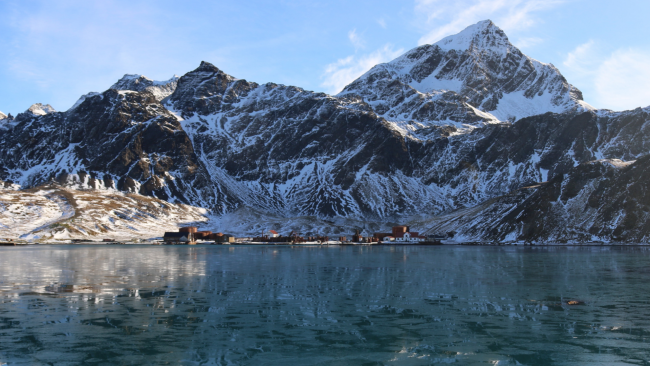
(204,235)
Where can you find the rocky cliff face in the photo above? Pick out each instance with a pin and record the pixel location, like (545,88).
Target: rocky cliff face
(458,126)
(586,204)
(118,139)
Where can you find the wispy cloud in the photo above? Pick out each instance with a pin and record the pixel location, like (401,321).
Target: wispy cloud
(527,42)
(442,18)
(356,39)
(619,79)
(381,22)
(622,80)
(582,58)
(344,71)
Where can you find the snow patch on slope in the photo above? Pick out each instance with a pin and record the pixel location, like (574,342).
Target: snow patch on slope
(39,109)
(515,105)
(431,83)
(137,82)
(59,213)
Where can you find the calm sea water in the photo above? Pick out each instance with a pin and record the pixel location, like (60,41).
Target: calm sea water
(236,305)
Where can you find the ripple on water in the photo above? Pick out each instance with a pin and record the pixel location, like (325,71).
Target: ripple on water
(324,306)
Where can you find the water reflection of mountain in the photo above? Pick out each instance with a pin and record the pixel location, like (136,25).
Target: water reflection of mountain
(101,270)
(193,305)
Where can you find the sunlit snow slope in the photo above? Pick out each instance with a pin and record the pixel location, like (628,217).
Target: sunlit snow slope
(52,212)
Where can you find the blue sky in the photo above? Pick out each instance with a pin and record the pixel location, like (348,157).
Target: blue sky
(54,51)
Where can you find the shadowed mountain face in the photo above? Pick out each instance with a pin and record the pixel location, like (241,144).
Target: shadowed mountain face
(603,200)
(449,126)
(117,139)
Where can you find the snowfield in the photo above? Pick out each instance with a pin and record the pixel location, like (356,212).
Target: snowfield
(52,212)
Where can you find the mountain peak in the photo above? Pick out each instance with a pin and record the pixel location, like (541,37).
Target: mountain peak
(38,109)
(138,82)
(2,115)
(484,34)
(207,67)
(132,78)
(480,65)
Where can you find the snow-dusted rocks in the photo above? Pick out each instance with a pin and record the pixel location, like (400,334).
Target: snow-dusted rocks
(135,82)
(586,204)
(208,90)
(82,98)
(6,121)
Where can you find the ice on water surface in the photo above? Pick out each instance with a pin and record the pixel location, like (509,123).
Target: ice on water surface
(221,305)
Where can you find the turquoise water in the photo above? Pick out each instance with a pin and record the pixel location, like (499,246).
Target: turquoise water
(383,305)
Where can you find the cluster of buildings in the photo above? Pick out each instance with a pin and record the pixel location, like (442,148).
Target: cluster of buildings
(359,237)
(399,235)
(190,234)
(293,237)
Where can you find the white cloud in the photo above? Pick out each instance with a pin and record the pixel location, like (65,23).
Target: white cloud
(528,42)
(356,39)
(622,80)
(580,67)
(442,17)
(619,79)
(344,71)
(582,58)
(381,22)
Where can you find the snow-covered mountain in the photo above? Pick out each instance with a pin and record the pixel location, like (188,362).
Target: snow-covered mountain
(446,132)
(481,66)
